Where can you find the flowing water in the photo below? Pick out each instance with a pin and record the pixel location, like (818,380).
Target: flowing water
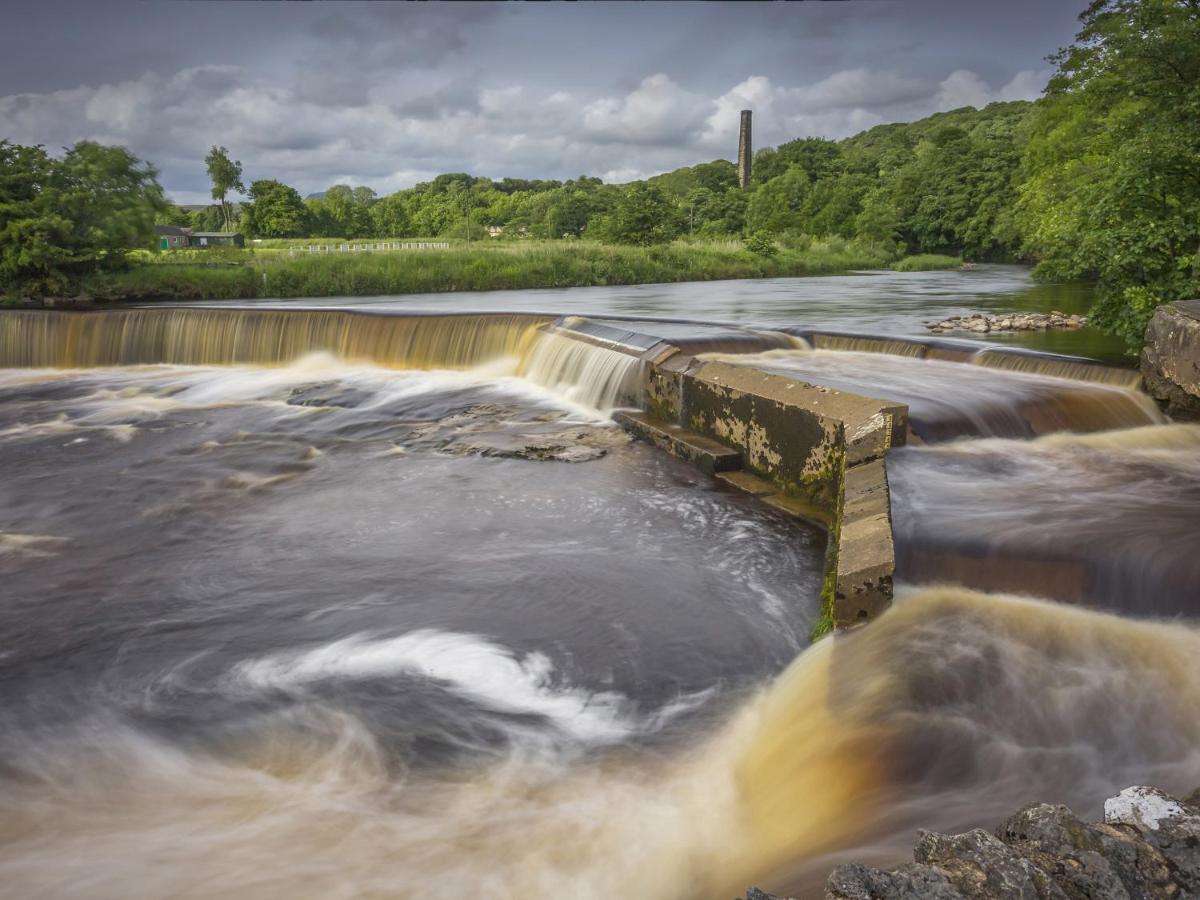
(949,400)
(889,304)
(291,606)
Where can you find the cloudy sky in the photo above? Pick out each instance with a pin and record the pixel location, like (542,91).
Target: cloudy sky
(389,94)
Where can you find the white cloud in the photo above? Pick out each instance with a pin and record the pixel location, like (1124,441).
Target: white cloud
(400,134)
(1026,85)
(962,88)
(658,111)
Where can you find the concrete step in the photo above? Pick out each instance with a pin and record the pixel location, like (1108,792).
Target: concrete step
(771,495)
(709,455)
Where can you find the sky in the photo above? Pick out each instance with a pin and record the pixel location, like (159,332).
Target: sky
(391,94)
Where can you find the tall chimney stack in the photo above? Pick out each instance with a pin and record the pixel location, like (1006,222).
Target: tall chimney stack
(745,151)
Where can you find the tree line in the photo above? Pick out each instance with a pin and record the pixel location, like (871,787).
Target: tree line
(1098,179)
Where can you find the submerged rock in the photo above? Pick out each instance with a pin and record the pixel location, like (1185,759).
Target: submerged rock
(495,431)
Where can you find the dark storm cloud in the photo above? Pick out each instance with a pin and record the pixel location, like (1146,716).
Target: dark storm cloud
(388,94)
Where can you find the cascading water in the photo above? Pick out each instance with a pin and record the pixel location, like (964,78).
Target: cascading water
(948,400)
(1115,522)
(284,612)
(582,372)
(947,712)
(504,344)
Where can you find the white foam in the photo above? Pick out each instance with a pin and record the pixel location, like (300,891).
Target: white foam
(468,665)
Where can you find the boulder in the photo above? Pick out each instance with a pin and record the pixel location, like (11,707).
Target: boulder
(1142,807)
(1094,861)
(982,867)
(912,882)
(1171,358)
(1148,848)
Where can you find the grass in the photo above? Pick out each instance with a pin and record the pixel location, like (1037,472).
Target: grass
(927,262)
(462,267)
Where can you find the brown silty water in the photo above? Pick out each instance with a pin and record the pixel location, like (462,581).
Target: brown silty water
(326,615)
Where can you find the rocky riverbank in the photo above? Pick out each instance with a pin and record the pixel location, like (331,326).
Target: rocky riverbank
(1147,848)
(982,323)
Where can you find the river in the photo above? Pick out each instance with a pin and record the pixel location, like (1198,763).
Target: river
(891,304)
(303,626)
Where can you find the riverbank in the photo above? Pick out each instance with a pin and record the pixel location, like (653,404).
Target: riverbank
(1148,846)
(556,264)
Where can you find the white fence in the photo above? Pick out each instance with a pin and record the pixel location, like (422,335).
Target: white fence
(368,248)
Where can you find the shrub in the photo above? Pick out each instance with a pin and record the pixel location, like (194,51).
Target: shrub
(760,242)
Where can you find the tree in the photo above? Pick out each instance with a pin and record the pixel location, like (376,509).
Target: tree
(642,216)
(1113,163)
(174,215)
(878,223)
(111,197)
(226,176)
(345,212)
(33,234)
(778,205)
(390,217)
(62,218)
(274,211)
(211,218)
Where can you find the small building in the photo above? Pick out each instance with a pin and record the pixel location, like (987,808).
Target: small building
(172,237)
(216,239)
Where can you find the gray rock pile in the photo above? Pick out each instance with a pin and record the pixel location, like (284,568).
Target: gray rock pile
(1147,848)
(981,323)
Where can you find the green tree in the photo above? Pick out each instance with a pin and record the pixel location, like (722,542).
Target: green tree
(878,222)
(346,211)
(61,218)
(111,198)
(211,218)
(274,210)
(34,235)
(174,215)
(642,216)
(778,205)
(390,217)
(226,176)
(1113,162)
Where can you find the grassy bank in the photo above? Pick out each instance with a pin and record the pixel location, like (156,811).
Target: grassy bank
(476,267)
(927,262)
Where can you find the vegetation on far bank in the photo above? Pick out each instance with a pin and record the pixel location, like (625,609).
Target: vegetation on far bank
(535,264)
(928,262)
(1097,180)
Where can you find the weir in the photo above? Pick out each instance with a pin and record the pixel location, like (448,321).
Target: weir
(816,450)
(950,350)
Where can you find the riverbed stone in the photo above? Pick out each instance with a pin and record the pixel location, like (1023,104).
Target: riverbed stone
(1171,358)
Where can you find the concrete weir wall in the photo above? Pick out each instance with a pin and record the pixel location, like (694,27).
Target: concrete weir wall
(808,450)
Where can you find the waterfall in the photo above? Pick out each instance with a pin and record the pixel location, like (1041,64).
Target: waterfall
(1057,367)
(508,344)
(197,336)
